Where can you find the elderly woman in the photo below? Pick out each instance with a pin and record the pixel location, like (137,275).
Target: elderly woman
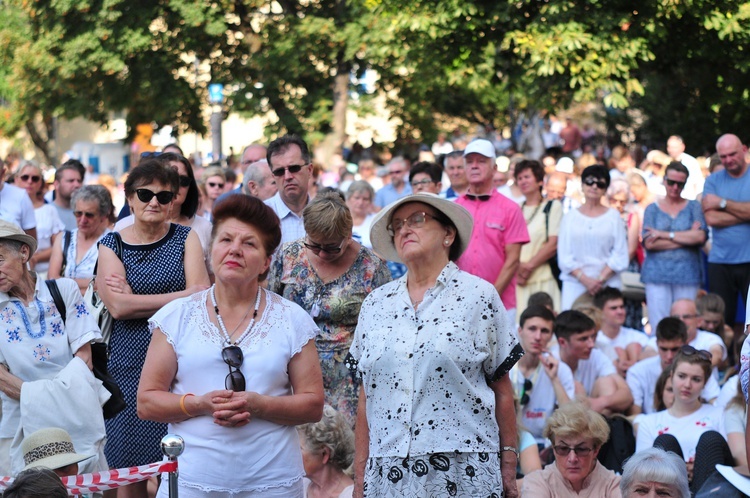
(327,452)
(37,343)
(75,253)
(48,222)
(329,275)
(159,262)
(238,426)
(674,229)
(543,222)
(359,198)
(654,472)
(436,411)
(577,434)
(600,231)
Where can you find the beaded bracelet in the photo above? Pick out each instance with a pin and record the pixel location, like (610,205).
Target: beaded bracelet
(182,404)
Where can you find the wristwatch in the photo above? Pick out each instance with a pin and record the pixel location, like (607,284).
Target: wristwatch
(671,235)
(723,204)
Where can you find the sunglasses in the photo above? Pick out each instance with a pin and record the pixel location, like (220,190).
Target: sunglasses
(416,220)
(689,350)
(214,185)
(601,184)
(88,216)
(293,169)
(564,451)
(317,249)
(233,357)
(527,387)
(146,155)
(672,183)
(33,178)
(163,197)
(185,181)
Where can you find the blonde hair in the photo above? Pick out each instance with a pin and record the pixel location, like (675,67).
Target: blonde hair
(576,420)
(327,216)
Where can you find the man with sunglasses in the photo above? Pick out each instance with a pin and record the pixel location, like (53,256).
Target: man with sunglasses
(726,205)
(397,188)
(541,381)
(68,179)
(289,161)
(499,227)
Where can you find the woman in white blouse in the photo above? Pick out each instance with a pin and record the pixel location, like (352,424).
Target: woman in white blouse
(592,247)
(433,349)
(359,198)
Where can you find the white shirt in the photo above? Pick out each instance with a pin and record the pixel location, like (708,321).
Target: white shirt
(623,339)
(598,365)
(16,207)
(48,223)
(687,429)
(361,233)
(425,372)
(728,391)
(292,227)
(542,399)
(36,344)
(702,342)
(642,377)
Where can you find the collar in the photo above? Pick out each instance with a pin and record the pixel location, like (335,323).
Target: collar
(446,274)
(282,210)
(40,291)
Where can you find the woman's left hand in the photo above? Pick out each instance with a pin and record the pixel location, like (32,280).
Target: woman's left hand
(238,410)
(508,471)
(117,283)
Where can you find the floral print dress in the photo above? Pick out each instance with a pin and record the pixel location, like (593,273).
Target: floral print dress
(335,308)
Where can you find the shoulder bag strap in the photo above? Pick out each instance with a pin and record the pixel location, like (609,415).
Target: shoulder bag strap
(547,208)
(118,250)
(54,291)
(66,246)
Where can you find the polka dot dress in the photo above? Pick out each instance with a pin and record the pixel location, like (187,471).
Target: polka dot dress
(151,269)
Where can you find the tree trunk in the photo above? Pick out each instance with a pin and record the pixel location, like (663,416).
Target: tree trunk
(340,103)
(41,142)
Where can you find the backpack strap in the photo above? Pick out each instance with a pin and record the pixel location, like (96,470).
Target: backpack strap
(54,291)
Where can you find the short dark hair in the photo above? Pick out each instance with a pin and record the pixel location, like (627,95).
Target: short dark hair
(251,210)
(678,167)
(541,298)
(192,198)
(671,328)
(70,165)
(572,322)
(37,482)
(281,144)
(599,171)
(535,166)
(149,171)
(434,171)
(537,311)
(607,294)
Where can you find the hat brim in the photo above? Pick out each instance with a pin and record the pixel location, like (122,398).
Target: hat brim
(736,476)
(382,242)
(26,239)
(58,461)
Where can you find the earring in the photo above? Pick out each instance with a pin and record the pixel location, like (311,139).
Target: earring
(447,242)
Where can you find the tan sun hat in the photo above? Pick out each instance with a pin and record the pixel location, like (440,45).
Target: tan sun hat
(12,231)
(382,242)
(51,448)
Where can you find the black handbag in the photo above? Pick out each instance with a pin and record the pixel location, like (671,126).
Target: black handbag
(99,357)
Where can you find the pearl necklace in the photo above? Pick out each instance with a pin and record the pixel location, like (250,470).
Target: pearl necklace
(227,336)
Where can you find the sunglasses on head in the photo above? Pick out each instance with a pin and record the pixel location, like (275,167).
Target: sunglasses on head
(89,216)
(594,181)
(185,181)
(163,197)
(689,350)
(233,357)
(294,168)
(672,183)
(33,178)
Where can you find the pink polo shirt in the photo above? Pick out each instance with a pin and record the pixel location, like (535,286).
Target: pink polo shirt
(497,222)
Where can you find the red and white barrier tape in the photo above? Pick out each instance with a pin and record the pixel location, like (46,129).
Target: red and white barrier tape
(111,479)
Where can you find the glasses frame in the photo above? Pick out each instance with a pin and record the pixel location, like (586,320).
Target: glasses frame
(185,181)
(215,184)
(591,181)
(392,231)
(293,169)
(525,390)
(33,178)
(671,183)
(145,195)
(426,181)
(87,215)
(564,451)
(689,350)
(235,380)
(317,249)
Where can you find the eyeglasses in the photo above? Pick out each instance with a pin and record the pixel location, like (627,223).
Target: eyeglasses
(685,317)
(415,220)
(89,216)
(527,386)
(185,181)
(421,182)
(293,169)
(233,357)
(317,248)
(163,197)
(33,178)
(601,184)
(689,350)
(214,185)
(395,172)
(564,451)
(672,183)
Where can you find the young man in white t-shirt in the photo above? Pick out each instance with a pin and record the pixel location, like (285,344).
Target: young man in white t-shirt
(622,345)
(541,381)
(595,375)
(671,335)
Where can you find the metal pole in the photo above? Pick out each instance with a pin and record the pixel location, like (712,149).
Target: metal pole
(216,118)
(172,446)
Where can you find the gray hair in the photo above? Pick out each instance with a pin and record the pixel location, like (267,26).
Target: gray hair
(14,245)
(254,172)
(96,193)
(619,186)
(360,186)
(332,432)
(655,465)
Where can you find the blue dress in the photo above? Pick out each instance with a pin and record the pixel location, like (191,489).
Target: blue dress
(156,268)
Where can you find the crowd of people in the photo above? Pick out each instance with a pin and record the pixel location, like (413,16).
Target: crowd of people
(468,322)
